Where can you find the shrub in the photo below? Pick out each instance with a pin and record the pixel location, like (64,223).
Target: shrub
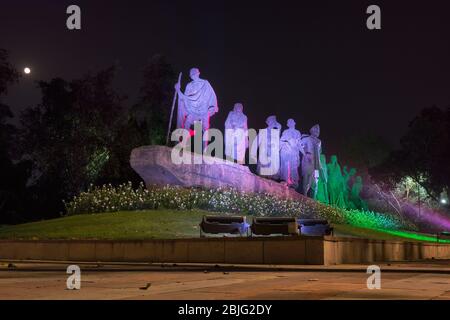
(124,198)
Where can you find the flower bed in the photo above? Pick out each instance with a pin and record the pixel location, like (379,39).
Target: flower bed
(125,198)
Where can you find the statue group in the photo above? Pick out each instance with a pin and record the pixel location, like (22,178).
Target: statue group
(295,152)
(339,188)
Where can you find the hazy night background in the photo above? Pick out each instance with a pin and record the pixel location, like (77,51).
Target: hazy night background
(317,63)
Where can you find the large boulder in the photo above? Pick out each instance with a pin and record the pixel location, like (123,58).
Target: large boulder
(155,166)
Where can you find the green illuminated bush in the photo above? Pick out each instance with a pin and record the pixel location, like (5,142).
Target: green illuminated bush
(124,198)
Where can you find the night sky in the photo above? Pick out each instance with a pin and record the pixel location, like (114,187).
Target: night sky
(315,62)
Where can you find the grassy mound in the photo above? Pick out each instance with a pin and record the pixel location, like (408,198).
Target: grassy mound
(152,224)
(155,224)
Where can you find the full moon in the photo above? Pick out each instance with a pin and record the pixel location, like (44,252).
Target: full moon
(27,70)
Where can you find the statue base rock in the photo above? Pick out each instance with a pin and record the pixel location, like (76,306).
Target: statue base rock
(154,165)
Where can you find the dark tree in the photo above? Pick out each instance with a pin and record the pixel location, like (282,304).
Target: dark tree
(424,153)
(8,74)
(146,123)
(80,134)
(70,135)
(151,114)
(365,151)
(13,176)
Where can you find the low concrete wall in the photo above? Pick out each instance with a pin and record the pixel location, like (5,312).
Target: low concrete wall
(273,250)
(352,250)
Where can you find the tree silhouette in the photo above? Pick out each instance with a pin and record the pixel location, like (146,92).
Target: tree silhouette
(423,155)
(13,176)
(70,135)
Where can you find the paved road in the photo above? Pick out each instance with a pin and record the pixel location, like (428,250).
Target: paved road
(398,281)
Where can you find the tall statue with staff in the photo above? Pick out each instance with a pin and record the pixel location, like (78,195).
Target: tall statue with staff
(197,103)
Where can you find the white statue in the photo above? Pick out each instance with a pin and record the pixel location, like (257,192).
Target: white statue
(311,165)
(236,134)
(197,103)
(290,146)
(268,144)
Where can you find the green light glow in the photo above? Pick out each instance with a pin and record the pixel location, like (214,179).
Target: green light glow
(373,220)
(386,224)
(413,236)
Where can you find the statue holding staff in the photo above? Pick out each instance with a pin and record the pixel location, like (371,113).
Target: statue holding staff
(197,103)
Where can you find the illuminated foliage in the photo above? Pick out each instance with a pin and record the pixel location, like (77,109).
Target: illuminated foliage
(125,198)
(411,190)
(96,163)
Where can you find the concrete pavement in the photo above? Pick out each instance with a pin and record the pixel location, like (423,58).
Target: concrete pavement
(41,280)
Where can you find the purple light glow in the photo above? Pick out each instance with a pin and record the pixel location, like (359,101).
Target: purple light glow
(436,220)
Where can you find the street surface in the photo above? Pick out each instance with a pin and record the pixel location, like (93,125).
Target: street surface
(42,280)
